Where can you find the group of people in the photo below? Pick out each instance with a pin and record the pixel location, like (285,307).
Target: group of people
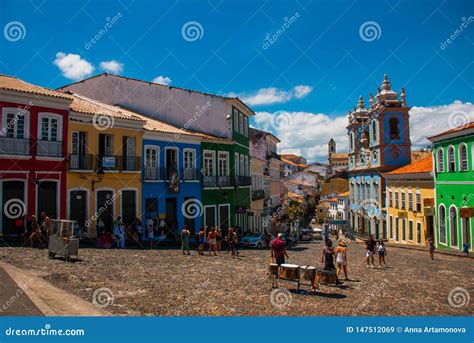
(37,230)
(211,238)
(372,248)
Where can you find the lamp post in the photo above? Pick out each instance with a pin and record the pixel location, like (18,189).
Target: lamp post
(100,176)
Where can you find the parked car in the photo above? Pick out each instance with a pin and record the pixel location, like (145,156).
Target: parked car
(317,233)
(306,235)
(254,240)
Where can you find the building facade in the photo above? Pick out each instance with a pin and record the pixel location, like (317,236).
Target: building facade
(379,141)
(410,203)
(337,161)
(453,156)
(33,163)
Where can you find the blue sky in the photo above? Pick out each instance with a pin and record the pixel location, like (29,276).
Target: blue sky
(319,65)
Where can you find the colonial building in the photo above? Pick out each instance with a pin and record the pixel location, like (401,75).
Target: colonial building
(453,154)
(337,161)
(33,138)
(225,158)
(379,141)
(410,203)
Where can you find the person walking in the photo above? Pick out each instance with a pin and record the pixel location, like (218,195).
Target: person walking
(201,240)
(119,232)
(212,241)
(382,252)
(35,233)
(327,258)
(185,239)
(370,251)
(341,259)
(218,239)
(278,250)
(431,246)
(232,241)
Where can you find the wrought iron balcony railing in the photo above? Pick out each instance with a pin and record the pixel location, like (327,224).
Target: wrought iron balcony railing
(243,180)
(14,146)
(80,162)
(49,148)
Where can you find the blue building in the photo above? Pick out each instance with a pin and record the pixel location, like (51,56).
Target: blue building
(171,187)
(379,141)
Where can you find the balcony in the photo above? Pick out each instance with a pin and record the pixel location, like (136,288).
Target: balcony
(14,146)
(243,180)
(130,163)
(216,181)
(49,148)
(258,194)
(108,162)
(80,162)
(152,173)
(190,174)
(274,155)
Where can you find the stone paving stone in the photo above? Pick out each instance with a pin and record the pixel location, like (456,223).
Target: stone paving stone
(165,282)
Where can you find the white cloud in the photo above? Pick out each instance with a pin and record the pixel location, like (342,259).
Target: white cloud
(309,133)
(112,67)
(73,66)
(162,80)
(273,95)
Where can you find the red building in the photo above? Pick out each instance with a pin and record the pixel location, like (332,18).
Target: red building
(33,140)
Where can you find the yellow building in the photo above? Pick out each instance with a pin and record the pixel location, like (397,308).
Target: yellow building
(104,165)
(410,203)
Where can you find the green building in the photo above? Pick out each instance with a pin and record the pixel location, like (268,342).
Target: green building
(453,153)
(226,180)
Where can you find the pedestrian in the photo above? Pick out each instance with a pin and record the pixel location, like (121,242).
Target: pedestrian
(370,251)
(150,231)
(232,240)
(465,249)
(382,252)
(100,226)
(45,226)
(212,241)
(77,230)
(267,239)
(119,233)
(218,239)
(278,250)
(202,240)
(327,258)
(431,246)
(185,239)
(36,232)
(341,259)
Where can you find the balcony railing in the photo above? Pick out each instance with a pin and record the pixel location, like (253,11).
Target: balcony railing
(190,174)
(243,180)
(108,162)
(258,194)
(14,146)
(131,163)
(216,181)
(152,173)
(80,162)
(49,148)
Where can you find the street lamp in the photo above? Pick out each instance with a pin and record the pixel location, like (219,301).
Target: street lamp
(100,176)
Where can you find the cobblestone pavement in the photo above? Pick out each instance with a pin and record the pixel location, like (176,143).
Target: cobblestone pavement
(165,282)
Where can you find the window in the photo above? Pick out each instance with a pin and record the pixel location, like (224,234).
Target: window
(246,126)
(418,233)
(451,160)
(394,128)
(15,123)
(241,123)
(404,229)
(397,232)
(391,227)
(223,163)
(440,161)
(453,225)
(49,129)
(442,223)
(410,201)
(418,201)
(75,143)
(242,165)
(151,157)
(410,230)
(209,169)
(236,164)
(374,130)
(351,141)
(189,160)
(404,205)
(390,198)
(396,200)
(106,145)
(246,166)
(463,165)
(236,120)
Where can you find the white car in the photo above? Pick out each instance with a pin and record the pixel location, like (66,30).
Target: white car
(317,233)
(254,240)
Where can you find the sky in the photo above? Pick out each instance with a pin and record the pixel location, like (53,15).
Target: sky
(300,65)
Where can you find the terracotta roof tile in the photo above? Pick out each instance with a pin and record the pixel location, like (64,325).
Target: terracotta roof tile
(456,129)
(424,165)
(12,83)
